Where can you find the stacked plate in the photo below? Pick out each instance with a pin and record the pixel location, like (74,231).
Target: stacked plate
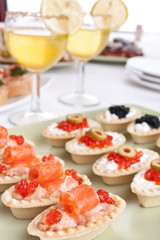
(144,71)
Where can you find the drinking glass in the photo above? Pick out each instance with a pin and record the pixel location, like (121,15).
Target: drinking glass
(83,45)
(37,48)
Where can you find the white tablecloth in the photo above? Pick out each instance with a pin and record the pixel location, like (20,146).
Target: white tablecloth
(106,81)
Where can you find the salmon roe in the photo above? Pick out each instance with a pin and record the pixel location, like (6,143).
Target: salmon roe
(47,158)
(104,197)
(124,162)
(73,174)
(19,139)
(69,127)
(24,188)
(93,143)
(2,168)
(152,175)
(54,216)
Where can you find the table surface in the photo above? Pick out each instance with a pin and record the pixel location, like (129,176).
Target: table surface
(105,80)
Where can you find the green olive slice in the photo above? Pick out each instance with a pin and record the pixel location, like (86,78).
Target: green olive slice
(126,151)
(75,118)
(155,164)
(97,134)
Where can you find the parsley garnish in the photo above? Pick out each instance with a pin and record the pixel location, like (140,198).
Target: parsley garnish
(17,71)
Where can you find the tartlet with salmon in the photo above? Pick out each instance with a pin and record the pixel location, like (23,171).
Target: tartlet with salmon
(58,133)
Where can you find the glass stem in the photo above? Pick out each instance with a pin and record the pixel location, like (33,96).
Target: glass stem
(35,101)
(81,74)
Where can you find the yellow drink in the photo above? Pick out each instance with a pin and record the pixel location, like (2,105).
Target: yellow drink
(86,44)
(36,50)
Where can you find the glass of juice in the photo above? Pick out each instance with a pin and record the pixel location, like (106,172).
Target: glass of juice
(37,48)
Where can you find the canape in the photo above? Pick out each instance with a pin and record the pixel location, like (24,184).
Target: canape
(145,129)
(93,144)
(120,166)
(74,125)
(3,95)
(45,184)
(117,117)
(82,214)
(146,185)
(158,142)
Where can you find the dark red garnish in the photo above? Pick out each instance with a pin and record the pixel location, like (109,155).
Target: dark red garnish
(2,168)
(24,188)
(152,175)
(54,216)
(93,143)
(19,139)
(47,158)
(73,174)
(124,162)
(69,126)
(104,197)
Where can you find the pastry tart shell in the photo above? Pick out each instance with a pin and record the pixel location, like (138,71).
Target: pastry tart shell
(86,232)
(24,209)
(3,95)
(122,176)
(59,140)
(147,197)
(145,137)
(90,155)
(158,142)
(116,124)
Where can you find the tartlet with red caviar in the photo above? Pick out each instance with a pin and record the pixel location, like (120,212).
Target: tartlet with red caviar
(119,167)
(82,214)
(93,144)
(61,132)
(46,181)
(117,117)
(146,185)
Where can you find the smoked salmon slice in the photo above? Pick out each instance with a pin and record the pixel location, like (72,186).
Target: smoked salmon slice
(79,200)
(13,154)
(3,136)
(54,185)
(46,171)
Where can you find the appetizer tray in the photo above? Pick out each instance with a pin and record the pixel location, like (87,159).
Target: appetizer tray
(135,222)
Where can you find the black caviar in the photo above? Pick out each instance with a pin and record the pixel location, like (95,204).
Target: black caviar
(119,110)
(153,121)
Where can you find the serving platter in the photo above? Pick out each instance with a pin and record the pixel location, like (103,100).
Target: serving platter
(135,222)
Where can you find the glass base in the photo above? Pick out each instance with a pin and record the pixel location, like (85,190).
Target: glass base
(20,118)
(77,99)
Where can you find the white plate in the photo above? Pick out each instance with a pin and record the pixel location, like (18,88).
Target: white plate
(142,82)
(147,65)
(17,101)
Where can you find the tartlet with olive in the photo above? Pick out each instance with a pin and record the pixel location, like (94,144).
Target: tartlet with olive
(146,185)
(120,166)
(73,126)
(145,129)
(93,144)
(117,117)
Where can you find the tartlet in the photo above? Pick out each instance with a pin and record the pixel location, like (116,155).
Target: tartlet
(83,154)
(58,136)
(145,129)
(158,142)
(117,118)
(119,171)
(146,185)
(48,182)
(89,224)
(3,95)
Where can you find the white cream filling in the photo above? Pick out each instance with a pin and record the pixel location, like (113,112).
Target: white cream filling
(111,165)
(112,116)
(116,140)
(142,127)
(143,183)
(52,128)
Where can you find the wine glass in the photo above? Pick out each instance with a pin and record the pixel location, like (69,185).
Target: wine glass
(83,45)
(37,48)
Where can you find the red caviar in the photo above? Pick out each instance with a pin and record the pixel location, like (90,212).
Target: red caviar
(124,162)
(2,168)
(73,174)
(152,175)
(93,143)
(47,158)
(54,216)
(104,197)
(24,188)
(19,139)
(69,127)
